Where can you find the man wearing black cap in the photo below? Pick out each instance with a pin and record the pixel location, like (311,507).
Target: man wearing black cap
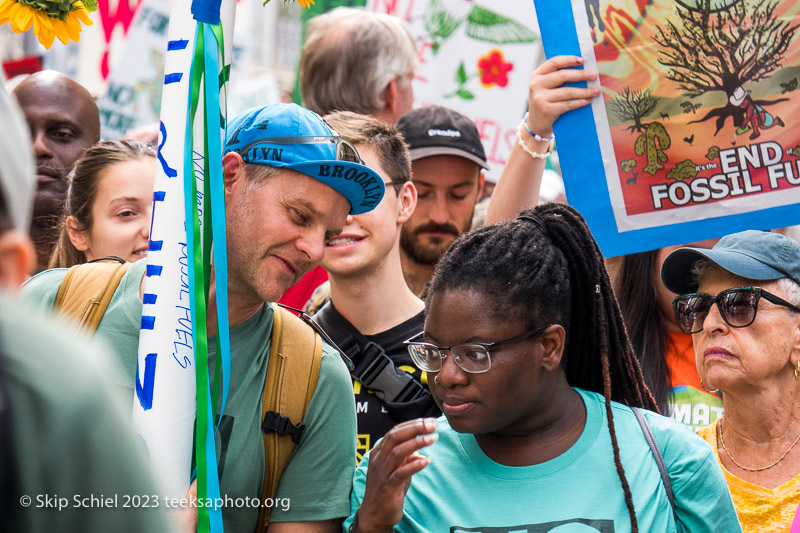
(447,163)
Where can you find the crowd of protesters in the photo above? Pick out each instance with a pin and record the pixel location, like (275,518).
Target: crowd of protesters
(498,378)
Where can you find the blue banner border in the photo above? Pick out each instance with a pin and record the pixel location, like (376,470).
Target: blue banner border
(582,166)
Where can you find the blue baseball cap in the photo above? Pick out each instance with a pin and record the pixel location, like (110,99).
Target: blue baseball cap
(751,254)
(292,137)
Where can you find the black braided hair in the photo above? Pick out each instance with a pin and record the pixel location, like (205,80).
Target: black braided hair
(545,267)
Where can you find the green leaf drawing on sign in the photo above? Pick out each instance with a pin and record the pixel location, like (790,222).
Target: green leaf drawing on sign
(465,94)
(439,22)
(461,74)
(486,25)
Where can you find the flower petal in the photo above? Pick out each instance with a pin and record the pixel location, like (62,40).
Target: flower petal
(61,31)
(83,15)
(73,27)
(26,19)
(5,9)
(45,31)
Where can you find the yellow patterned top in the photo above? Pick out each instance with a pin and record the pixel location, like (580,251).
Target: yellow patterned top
(760,510)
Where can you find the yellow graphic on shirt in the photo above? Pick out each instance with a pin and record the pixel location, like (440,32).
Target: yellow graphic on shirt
(363,445)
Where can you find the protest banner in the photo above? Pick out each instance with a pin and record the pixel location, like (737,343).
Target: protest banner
(693,137)
(133,92)
(173,355)
(475,57)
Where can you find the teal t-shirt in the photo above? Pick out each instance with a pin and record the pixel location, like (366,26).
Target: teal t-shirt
(119,327)
(316,484)
(68,443)
(462,489)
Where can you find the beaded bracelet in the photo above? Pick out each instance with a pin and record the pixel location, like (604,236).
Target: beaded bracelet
(535,155)
(535,135)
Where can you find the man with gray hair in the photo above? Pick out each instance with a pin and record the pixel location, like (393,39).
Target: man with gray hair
(356,60)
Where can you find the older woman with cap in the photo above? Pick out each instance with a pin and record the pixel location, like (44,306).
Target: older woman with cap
(748,347)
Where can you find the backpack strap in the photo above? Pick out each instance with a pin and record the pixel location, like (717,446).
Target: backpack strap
(295,356)
(662,468)
(403,397)
(87,289)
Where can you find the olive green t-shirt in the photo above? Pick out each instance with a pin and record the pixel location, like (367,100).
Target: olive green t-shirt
(316,483)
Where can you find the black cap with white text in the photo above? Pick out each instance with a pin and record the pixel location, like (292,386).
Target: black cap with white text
(437,130)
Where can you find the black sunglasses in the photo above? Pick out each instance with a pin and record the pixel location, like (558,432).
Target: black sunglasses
(737,306)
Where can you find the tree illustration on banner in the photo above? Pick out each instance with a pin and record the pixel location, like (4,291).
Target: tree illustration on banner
(632,104)
(722,46)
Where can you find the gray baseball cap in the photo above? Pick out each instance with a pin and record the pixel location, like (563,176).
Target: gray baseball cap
(17,169)
(751,254)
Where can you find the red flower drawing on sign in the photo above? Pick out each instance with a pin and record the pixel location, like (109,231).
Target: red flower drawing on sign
(494,69)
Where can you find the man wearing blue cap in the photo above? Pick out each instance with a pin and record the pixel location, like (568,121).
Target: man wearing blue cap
(290,182)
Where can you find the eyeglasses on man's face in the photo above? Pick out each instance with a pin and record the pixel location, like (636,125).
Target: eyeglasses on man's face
(472,357)
(737,307)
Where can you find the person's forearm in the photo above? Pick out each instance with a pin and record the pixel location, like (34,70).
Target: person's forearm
(518,187)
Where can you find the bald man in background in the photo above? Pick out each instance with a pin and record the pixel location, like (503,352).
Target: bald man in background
(64,121)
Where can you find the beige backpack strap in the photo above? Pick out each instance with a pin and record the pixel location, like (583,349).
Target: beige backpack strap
(86,291)
(295,356)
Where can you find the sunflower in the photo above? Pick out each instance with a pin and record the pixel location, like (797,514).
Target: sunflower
(49,19)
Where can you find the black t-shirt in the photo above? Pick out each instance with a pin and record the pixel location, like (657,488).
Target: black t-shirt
(373,419)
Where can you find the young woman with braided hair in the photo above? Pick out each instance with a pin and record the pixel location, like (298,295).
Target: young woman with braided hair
(535,375)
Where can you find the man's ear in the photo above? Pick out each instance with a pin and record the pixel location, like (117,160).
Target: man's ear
(407,202)
(77,236)
(481,182)
(391,98)
(233,172)
(17,259)
(553,343)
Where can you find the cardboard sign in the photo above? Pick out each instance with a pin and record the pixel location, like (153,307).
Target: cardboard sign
(133,93)
(693,137)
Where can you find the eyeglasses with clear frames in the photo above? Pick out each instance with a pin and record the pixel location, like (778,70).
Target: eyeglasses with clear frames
(472,357)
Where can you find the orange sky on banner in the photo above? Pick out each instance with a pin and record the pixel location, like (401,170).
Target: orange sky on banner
(680,147)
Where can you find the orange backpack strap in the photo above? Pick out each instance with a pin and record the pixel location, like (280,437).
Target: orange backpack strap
(86,291)
(295,356)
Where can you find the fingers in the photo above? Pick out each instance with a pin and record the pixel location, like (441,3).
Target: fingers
(392,463)
(412,428)
(558,78)
(552,92)
(402,442)
(187,517)
(572,93)
(559,62)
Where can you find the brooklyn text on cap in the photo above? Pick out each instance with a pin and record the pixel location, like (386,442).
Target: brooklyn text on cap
(292,137)
(751,254)
(437,130)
